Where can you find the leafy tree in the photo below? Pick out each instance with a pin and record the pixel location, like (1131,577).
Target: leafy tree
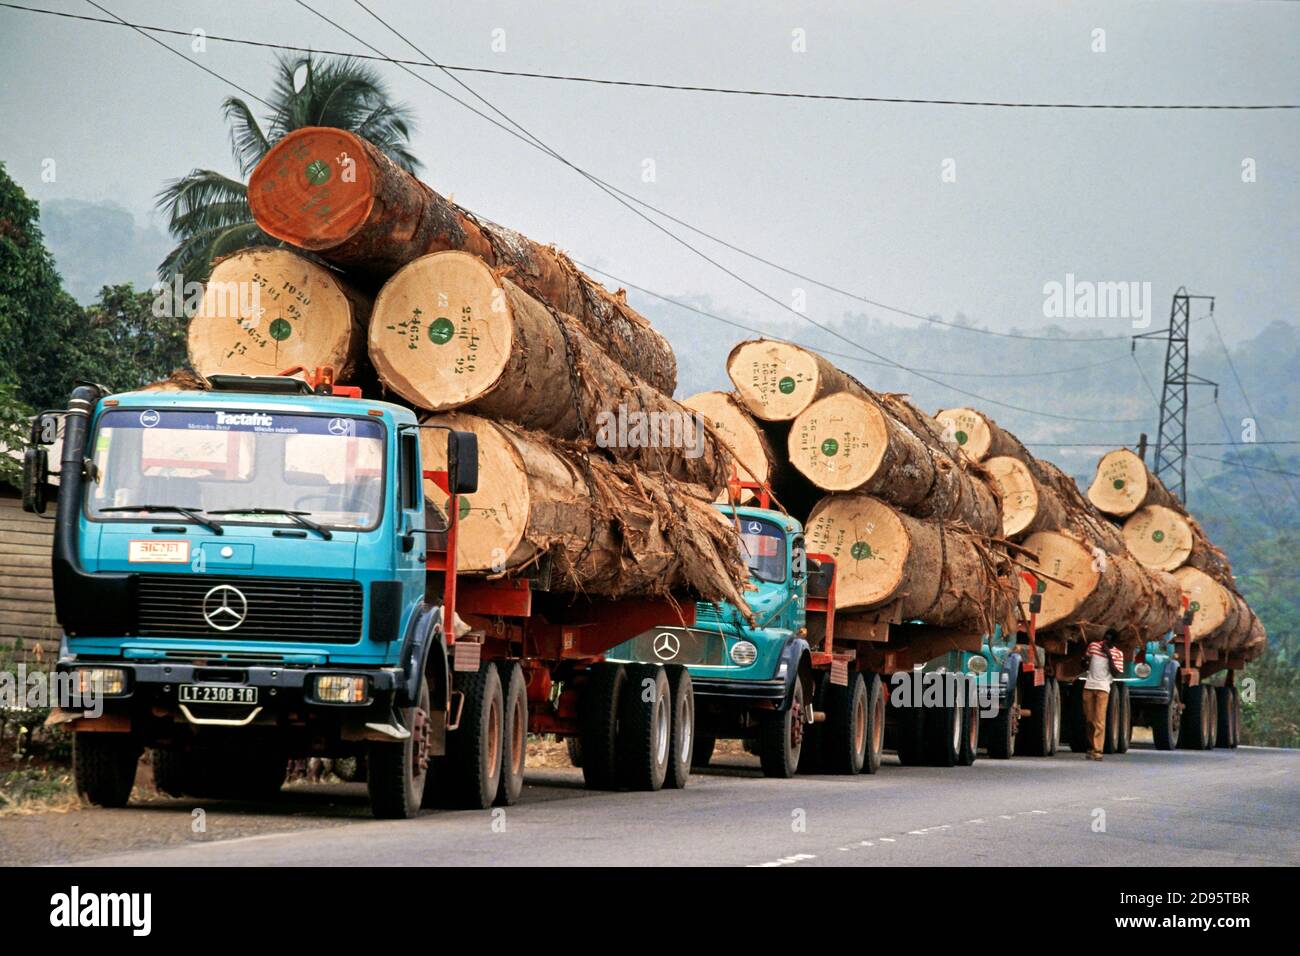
(208,212)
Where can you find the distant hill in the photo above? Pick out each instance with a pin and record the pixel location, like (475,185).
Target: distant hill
(99,243)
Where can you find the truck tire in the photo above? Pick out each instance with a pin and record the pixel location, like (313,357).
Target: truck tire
(1054,718)
(1229,717)
(103,767)
(909,735)
(1110,741)
(1191,735)
(474,749)
(645,727)
(844,739)
(1167,719)
(396,772)
(1211,717)
(1125,719)
(574,746)
(944,731)
(703,751)
(681,752)
(514,738)
(812,752)
(1004,726)
(1033,738)
(970,743)
(876,705)
(781,736)
(598,711)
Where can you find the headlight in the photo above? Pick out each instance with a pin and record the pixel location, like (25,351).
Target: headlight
(977,664)
(743,653)
(1143,670)
(341,689)
(108,681)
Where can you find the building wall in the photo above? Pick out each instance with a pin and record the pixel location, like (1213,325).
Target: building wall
(26,601)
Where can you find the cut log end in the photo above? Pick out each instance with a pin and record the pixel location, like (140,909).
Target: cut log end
(442,331)
(1019,493)
(1121,485)
(838,442)
(1209,601)
(266,310)
(1064,558)
(776,381)
(869,543)
(313,189)
(968,429)
(739,433)
(1158,537)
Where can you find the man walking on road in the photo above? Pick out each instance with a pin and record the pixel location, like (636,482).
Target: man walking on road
(1103,661)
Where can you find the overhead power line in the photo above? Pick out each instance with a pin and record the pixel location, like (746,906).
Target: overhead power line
(678,87)
(1242,464)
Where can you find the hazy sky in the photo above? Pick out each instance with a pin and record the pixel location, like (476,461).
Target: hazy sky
(849,192)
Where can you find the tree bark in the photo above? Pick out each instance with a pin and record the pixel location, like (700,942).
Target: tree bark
(752,455)
(448,332)
(1028,505)
(267,310)
(979,436)
(608,528)
(933,571)
(371,216)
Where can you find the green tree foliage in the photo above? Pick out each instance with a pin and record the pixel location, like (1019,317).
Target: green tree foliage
(208,211)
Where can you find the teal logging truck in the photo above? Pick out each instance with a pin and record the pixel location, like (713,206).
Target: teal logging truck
(253,573)
(800,700)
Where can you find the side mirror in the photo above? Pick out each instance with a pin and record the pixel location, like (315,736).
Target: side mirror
(36,475)
(462,462)
(45,429)
(1035,603)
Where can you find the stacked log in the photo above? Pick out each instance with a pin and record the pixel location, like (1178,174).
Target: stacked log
(335,194)
(1123,484)
(449,332)
(608,528)
(751,451)
(266,310)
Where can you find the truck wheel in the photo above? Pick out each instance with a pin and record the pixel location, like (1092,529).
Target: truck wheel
(645,728)
(681,752)
(1166,721)
(781,736)
(103,766)
(812,753)
(1110,741)
(844,740)
(474,749)
(703,751)
(910,735)
(1211,717)
(970,743)
(876,705)
(1034,736)
(574,746)
(1054,719)
(1229,714)
(171,771)
(1191,735)
(944,731)
(598,724)
(396,772)
(1125,720)
(514,751)
(1004,726)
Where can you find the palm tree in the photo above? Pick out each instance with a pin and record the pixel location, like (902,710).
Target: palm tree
(208,212)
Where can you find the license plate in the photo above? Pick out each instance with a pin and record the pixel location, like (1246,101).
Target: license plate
(217,694)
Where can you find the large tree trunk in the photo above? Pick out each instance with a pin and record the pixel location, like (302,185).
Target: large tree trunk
(752,453)
(1123,484)
(854,440)
(267,310)
(608,529)
(1104,590)
(448,332)
(979,436)
(371,216)
(1028,505)
(778,380)
(928,570)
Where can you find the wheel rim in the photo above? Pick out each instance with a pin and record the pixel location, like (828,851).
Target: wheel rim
(796,719)
(973,730)
(494,735)
(686,732)
(860,724)
(957,714)
(878,725)
(421,729)
(518,738)
(1056,716)
(661,730)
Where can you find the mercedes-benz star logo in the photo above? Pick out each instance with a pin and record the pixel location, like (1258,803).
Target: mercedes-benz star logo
(225,607)
(340,426)
(667,646)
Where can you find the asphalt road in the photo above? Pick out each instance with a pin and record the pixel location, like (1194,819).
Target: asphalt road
(1146,807)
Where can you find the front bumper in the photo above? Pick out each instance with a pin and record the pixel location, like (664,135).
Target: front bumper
(766,691)
(1149,694)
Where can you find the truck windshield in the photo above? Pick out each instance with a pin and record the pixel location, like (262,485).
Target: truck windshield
(762,545)
(210,461)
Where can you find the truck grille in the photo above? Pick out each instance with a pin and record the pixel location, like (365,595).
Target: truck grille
(284,609)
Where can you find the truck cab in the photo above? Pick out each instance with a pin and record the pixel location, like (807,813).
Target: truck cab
(752,678)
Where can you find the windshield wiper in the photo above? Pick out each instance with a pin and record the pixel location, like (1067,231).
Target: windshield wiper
(297,517)
(191,513)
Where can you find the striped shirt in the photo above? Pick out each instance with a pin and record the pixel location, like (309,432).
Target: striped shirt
(1100,673)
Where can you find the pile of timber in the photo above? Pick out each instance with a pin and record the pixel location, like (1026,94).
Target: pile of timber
(1161,535)
(586,461)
